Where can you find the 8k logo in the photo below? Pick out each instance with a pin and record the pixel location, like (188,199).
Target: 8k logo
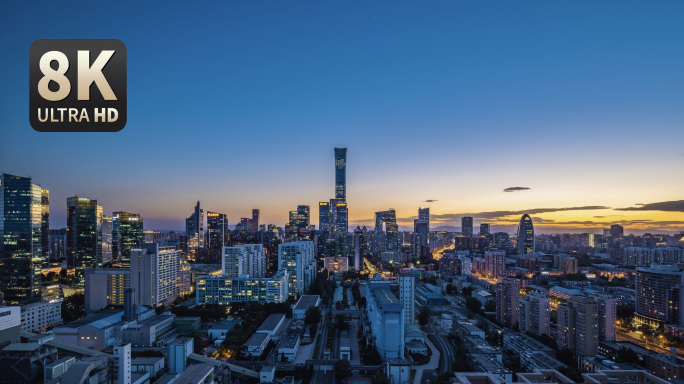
(77,85)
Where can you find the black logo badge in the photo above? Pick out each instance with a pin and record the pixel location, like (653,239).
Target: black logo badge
(77,85)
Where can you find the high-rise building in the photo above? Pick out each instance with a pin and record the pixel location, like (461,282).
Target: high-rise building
(21,239)
(534,314)
(387,239)
(194,227)
(569,265)
(495,263)
(105,287)
(617,230)
(424,215)
(484,229)
(341,174)
(299,226)
(341,214)
(324,213)
(57,244)
(357,248)
(107,240)
(298,259)
(45,226)
(218,236)
(155,274)
(407,296)
(578,328)
(607,316)
(659,295)
(467,226)
(127,233)
(84,236)
(507,301)
(247,259)
(525,235)
(254,221)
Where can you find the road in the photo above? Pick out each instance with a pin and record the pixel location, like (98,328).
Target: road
(651,346)
(439,339)
(430,366)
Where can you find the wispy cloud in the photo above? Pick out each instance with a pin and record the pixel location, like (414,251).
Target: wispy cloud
(429,201)
(515,189)
(666,206)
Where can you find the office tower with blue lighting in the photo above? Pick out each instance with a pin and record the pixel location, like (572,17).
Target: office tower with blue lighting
(127,233)
(22,225)
(84,236)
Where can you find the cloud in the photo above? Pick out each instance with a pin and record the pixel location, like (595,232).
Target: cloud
(491,215)
(666,206)
(429,201)
(515,189)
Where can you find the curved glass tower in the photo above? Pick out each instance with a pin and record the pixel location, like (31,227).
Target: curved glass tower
(525,235)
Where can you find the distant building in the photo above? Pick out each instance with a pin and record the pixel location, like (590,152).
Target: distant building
(466,226)
(84,236)
(569,265)
(525,235)
(127,234)
(336,264)
(247,259)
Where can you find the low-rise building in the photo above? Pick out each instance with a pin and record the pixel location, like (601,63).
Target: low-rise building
(39,317)
(287,349)
(255,345)
(148,332)
(303,304)
(224,290)
(489,363)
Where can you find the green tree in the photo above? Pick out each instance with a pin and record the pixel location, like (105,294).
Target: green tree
(312,316)
(627,355)
(424,315)
(473,304)
(341,323)
(73,307)
(342,369)
(380,378)
(444,378)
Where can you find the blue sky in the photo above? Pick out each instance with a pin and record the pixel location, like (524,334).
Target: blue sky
(240,105)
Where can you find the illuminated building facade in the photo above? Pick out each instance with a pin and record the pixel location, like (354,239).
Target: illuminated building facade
(297,258)
(525,235)
(22,237)
(84,236)
(194,227)
(659,295)
(218,236)
(155,274)
(224,290)
(247,259)
(127,233)
(341,174)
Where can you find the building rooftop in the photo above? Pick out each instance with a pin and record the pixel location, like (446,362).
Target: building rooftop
(289,341)
(272,322)
(99,320)
(146,360)
(488,363)
(306,301)
(195,374)
(23,347)
(256,339)
(227,324)
(386,298)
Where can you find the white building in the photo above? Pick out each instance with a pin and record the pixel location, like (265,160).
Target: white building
(155,274)
(223,290)
(298,259)
(407,296)
(122,364)
(247,259)
(10,324)
(38,317)
(385,320)
(105,287)
(534,314)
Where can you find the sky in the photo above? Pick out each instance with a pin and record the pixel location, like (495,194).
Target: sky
(239,106)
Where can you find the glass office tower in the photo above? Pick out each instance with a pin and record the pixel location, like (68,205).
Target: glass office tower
(127,234)
(22,220)
(84,236)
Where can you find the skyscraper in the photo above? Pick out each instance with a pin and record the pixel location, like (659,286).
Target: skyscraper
(525,235)
(484,229)
(421,227)
(217,234)
(45,226)
(84,236)
(107,228)
(194,227)
(254,223)
(155,274)
(386,239)
(324,213)
(466,226)
(341,217)
(341,174)
(534,314)
(127,233)
(616,230)
(578,328)
(247,259)
(22,223)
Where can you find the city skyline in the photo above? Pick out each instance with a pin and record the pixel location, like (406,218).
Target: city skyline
(570,119)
